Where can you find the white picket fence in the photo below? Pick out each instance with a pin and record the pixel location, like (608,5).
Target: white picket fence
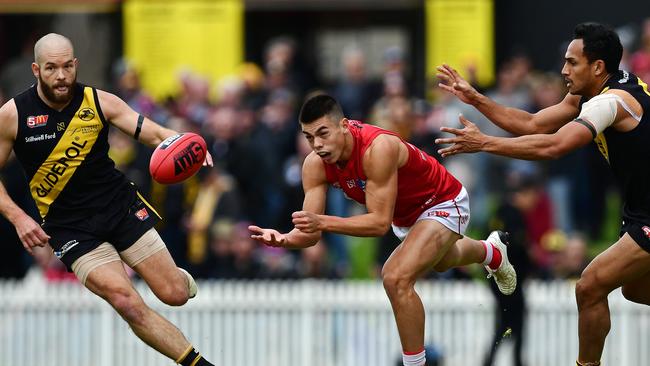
(308,323)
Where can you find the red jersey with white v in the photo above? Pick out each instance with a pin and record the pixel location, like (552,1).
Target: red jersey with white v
(421,183)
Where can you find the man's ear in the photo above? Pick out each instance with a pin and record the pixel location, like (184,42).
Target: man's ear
(344,124)
(36,70)
(599,67)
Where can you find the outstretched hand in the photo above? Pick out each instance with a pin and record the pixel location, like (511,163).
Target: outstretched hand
(270,237)
(467,140)
(451,81)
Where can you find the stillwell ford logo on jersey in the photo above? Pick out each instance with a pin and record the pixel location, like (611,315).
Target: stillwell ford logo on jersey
(41,137)
(37,121)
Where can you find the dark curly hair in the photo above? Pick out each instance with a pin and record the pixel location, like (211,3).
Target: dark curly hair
(600,43)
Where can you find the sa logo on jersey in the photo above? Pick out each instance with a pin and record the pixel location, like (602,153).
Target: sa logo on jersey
(86,114)
(646,231)
(37,121)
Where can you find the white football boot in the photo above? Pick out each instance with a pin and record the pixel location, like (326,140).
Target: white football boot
(505,276)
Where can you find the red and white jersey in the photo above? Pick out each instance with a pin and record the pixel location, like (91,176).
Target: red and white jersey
(421,183)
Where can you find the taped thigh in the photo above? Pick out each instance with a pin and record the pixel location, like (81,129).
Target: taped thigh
(148,244)
(104,253)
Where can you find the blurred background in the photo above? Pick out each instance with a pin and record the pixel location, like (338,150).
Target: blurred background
(237,71)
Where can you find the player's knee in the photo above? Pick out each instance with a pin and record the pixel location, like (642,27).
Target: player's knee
(588,290)
(174,294)
(128,304)
(395,282)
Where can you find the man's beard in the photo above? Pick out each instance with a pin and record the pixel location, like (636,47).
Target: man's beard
(51,96)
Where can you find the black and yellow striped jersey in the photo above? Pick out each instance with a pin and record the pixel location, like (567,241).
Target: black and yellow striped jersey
(65,155)
(628,152)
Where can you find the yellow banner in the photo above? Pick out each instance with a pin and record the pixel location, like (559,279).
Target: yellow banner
(461,34)
(165,37)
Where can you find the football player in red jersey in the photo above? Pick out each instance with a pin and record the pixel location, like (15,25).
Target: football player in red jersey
(400,185)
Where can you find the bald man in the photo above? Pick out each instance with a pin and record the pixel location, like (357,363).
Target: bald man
(92,216)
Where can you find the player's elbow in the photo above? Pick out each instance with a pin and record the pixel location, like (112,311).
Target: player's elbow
(381,228)
(560,149)
(550,153)
(555,148)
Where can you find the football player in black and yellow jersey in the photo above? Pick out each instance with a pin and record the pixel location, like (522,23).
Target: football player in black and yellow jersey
(93,217)
(610,107)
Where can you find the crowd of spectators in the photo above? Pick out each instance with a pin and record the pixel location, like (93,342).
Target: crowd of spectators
(249,121)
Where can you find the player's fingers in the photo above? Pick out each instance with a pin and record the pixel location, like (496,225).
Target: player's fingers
(299,221)
(446,87)
(28,243)
(299,224)
(254,228)
(42,238)
(446,151)
(464,121)
(267,237)
(278,238)
(442,72)
(208,160)
(455,131)
(444,141)
(454,72)
(273,241)
(442,78)
(298,214)
(460,87)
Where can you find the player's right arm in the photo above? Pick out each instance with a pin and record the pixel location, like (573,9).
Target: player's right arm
(29,231)
(513,120)
(314,184)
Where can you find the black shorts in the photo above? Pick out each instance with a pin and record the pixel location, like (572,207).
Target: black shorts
(121,224)
(638,231)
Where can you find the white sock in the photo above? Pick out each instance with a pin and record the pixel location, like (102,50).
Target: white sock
(418,359)
(489,252)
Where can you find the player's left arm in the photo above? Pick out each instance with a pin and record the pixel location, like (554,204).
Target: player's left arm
(380,163)
(150,133)
(597,114)
(530,147)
